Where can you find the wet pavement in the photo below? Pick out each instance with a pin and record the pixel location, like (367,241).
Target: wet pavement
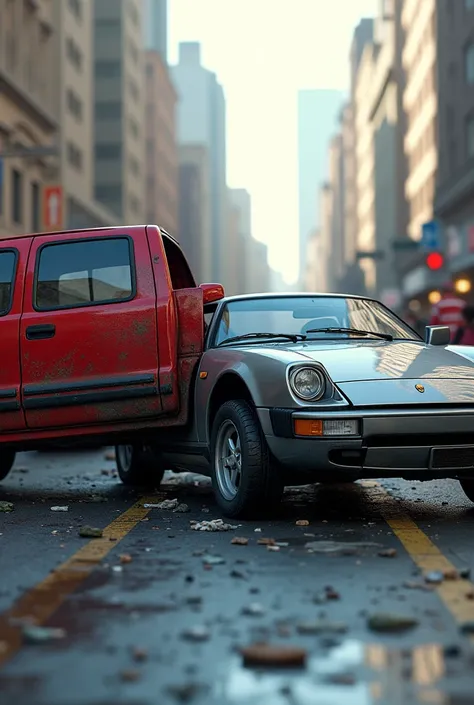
(156,612)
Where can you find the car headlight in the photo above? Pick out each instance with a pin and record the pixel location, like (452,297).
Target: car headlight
(308,383)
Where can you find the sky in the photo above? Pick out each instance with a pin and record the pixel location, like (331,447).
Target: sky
(263,52)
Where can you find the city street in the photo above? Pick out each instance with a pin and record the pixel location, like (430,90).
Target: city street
(156,612)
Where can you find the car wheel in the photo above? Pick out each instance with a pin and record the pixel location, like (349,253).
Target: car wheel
(244,479)
(139,466)
(7,459)
(468,488)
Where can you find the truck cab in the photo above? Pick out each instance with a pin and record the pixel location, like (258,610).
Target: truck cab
(101,332)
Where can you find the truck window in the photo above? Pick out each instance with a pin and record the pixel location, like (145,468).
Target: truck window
(181,277)
(85,273)
(7,275)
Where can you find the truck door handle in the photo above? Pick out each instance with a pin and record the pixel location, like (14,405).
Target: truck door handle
(40,332)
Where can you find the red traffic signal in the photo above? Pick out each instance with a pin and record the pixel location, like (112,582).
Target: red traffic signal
(434,260)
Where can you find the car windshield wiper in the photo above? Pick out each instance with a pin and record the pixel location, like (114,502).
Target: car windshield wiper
(355,331)
(294,337)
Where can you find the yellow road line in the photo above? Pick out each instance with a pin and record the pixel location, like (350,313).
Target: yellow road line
(40,602)
(426,555)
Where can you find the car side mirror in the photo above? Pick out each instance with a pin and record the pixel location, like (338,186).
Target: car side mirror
(437,335)
(212,292)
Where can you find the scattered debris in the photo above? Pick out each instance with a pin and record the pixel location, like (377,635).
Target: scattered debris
(60,509)
(341,679)
(274,656)
(435,577)
(387,622)
(331,594)
(110,455)
(270,547)
(40,635)
(130,675)
(181,509)
(213,560)
(139,654)
(416,585)
(187,692)
(266,542)
(194,600)
(465,573)
(197,633)
(167,504)
(258,531)
(253,610)
(302,522)
(6,506)
(212,525)
(240,541)
(90,532)
(451,574)
(321,626)
(237,574)
(388,553)
(125,558)
(348,548)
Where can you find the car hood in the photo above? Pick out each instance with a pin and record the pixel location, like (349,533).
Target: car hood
(378,359)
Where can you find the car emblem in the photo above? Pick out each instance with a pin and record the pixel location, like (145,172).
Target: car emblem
(419,388)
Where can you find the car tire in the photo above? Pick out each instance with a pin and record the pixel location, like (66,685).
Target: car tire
(253,483)
(7,460)
(467,485)
(139,466)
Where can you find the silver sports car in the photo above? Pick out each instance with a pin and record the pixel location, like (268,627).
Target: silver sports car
(327,388)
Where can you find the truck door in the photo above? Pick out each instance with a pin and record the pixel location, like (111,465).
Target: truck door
(89,347)
(13,259)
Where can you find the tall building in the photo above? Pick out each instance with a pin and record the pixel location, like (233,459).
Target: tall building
(202,120)
(336,262)
(257,268)
(156,27)
(161,148)
(28,112)
(234,276)
(75,84)
(454,203)
(119,105)
(420,103)
(241,200)
(317,116)
(194,214)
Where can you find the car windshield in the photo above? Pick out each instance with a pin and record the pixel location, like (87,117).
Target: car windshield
(300,314)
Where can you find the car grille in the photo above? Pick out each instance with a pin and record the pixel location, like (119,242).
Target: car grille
(444,458)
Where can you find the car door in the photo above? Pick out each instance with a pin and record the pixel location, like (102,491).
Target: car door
(13,260)
(89,346)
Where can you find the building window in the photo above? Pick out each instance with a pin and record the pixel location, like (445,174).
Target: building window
(134,166)
(74,53)
(74,104)
(7,276)
(134,14)
(76,8)
(35,207)
(74,156)
(17,196)
(108,111)
(134,204)
(133,88)
(110,195)
(108,151)
(84,273)
(133,51)
(134,129)
(469,64)
(107,69)
(107,28)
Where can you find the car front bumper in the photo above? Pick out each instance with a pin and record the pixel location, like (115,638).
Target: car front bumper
(395,443)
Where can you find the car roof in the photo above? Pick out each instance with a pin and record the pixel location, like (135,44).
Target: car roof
(294,294)
(114,228)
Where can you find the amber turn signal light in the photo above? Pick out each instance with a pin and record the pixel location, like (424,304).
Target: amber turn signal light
(308,427)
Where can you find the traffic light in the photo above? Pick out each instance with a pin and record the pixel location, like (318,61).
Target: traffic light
(434,260)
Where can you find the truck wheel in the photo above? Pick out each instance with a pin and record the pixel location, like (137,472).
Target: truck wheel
(244,479)
(7,459)
(139,466)
(467,485)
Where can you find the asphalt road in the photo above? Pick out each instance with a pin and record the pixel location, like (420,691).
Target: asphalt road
(155,612)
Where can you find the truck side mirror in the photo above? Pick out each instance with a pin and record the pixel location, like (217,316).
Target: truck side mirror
(437,335)
(212,292)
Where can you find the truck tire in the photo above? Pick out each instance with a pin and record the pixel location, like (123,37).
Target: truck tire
(139,466)
(245,480)
(7,459)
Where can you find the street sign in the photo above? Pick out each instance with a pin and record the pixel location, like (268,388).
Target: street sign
(431,235)
(53,207)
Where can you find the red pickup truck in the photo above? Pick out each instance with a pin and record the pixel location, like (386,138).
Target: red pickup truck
(101,331)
